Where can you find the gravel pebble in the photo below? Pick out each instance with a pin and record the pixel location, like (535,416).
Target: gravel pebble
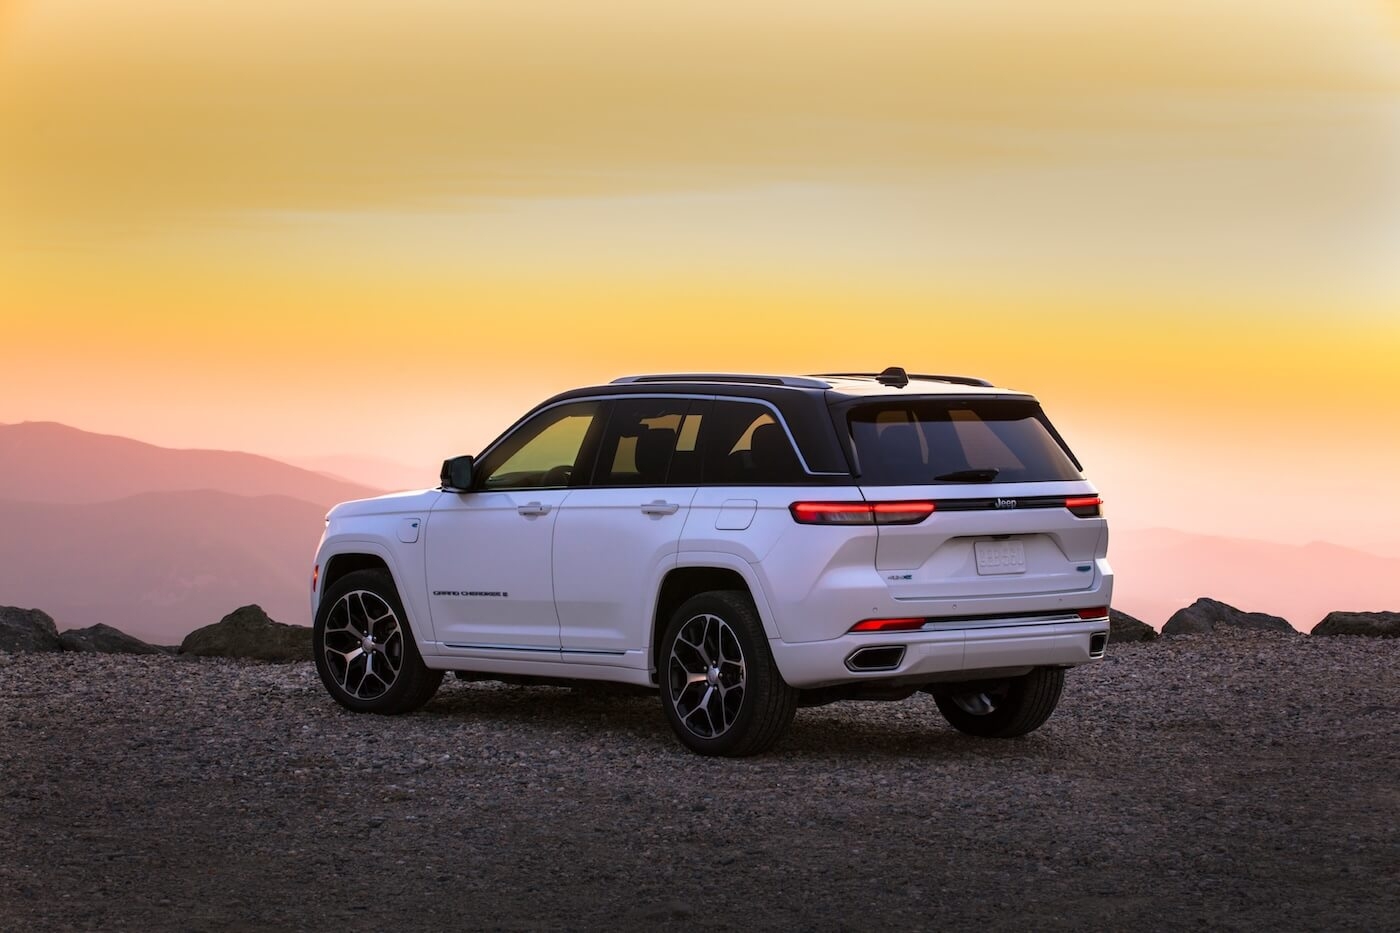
(1232,781)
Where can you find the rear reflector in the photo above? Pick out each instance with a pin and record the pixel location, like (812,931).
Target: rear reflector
(860,513)
(889,625)
(1085,506)
(1099,612)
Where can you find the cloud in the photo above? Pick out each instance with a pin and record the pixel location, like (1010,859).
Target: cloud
(1178,139)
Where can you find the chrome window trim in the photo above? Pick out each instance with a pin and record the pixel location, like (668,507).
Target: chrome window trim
(693,396)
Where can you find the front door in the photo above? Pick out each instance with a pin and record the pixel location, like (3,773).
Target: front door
(490,550)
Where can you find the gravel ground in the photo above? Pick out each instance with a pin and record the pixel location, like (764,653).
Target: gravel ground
(1233,781)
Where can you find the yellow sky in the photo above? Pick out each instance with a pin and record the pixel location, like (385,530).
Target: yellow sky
(388,228)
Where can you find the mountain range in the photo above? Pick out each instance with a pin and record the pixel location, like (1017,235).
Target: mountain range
(155,541)
(158,542)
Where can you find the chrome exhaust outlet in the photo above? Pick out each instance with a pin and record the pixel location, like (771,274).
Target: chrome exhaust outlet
(875,658)
(1098,644)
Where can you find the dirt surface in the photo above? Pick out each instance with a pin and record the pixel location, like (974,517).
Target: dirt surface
(1232,781)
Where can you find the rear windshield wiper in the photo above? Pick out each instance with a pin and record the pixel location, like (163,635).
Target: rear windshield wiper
(971,476)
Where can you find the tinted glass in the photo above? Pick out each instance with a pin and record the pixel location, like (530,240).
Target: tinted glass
(744,445)
(956,441)
(543,452)
(650,442)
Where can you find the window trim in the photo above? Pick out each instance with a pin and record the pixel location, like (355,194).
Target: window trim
(588,449)
(606,399)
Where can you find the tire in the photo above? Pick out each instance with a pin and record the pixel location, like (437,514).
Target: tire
(1007,708)
(720,689)
(364,649)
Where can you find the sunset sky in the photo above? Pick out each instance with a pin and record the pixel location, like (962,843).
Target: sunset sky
(387,229)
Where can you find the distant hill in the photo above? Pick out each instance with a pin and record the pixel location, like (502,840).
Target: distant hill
(159,565)
(378,472)
(158,542)
(1158,571)
(154,541)
(41,461)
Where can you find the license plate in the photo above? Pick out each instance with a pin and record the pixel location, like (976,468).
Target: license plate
(995,557)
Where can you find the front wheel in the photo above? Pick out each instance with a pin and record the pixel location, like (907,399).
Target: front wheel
(364,651)
(1004,709)
(721,691)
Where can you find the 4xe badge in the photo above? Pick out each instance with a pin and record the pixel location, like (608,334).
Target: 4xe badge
(1006,503)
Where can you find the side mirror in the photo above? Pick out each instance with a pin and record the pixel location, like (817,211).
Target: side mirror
(457,474)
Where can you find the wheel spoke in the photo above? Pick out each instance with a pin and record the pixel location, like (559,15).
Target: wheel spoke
(706,676)
(363,644)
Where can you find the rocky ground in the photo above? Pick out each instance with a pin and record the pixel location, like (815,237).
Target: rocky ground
(1241,780)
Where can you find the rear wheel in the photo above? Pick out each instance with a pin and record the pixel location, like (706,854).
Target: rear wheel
(364,650)
(1007,708)
(720,689)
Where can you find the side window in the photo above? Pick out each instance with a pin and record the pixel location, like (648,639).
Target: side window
(651,442)
(544,452)
(745,445)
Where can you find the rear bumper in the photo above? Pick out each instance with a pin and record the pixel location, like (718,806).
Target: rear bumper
(949,651)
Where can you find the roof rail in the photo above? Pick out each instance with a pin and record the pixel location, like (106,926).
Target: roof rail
(796,382)
(957,380)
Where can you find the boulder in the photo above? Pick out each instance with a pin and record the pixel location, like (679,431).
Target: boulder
(1373,624)
(27,630)
(247,632)
(1206,615)
(103,639)
(1124,628)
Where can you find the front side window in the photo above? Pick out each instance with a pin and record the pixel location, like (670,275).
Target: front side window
(542,453)
(922,441)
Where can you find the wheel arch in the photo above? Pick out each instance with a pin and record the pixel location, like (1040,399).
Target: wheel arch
(342,555)
(339,565)
(700,575)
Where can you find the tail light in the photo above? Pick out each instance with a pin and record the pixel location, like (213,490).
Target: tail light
(1085,506)
(860,513)
(889,625)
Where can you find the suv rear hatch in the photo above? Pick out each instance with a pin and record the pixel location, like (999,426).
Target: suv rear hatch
(1011,512)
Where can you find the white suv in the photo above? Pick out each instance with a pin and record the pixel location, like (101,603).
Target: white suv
(746,545)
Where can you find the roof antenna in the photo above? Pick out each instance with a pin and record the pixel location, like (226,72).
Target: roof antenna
(893,376)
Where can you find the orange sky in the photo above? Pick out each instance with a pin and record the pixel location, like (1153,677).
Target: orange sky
(386,229)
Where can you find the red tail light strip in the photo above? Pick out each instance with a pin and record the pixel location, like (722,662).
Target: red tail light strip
(861,513)
(1085,506)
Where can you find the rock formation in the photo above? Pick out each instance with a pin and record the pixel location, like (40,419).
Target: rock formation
(1374,624)
(247,632)
(1206,615)
(105,640)
(27,630)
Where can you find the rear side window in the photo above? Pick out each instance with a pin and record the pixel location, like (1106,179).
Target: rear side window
(922,441)
(744,445)
(651,442)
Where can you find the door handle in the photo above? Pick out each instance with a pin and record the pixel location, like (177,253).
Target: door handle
(660,507)
(533,508)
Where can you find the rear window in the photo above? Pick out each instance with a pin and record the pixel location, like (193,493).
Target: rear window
(922,441)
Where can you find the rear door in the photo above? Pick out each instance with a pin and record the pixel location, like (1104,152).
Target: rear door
(617,535)
(1011,509)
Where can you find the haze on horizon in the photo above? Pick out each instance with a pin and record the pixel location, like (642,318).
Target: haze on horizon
(386,230)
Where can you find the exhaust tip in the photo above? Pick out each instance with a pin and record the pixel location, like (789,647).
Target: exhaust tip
(1098,643)
(877,658)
